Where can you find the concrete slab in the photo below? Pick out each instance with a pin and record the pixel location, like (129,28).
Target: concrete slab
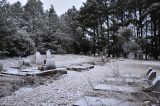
(95,101)
(47,72)
(29,70)
(33,72)
(127,80)
(61,70)
(133,76)
(42,73)
(115,88)
(12,71)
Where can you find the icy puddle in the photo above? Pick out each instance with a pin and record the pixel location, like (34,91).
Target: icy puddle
(95,101)
(128,89)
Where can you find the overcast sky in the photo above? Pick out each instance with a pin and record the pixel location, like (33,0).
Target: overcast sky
(60,6)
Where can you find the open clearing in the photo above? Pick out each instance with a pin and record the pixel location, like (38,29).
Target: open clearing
(66,89)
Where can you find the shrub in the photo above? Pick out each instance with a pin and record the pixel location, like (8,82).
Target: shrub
(18,44)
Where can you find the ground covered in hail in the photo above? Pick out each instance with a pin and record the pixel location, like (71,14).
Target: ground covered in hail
(71,88)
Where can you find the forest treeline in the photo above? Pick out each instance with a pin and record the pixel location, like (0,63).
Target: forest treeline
(107,27)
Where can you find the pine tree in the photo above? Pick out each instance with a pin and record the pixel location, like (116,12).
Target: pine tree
(12,41)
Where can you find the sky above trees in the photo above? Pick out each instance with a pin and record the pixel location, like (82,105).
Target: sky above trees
(61,6)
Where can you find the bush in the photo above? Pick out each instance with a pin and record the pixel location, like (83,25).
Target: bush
(18,44)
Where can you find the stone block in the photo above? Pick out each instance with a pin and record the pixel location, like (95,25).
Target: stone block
(48,54)
(49,64)
(156,84)
(149,71)
(38,58)
(152,75)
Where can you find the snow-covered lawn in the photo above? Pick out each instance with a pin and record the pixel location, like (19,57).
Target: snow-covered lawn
(68,88)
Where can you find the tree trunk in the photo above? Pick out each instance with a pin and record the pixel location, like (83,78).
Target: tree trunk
(109,51)
(152,42)
(155,41)
(98,36)
(122,18)
(146,40)
(94,41)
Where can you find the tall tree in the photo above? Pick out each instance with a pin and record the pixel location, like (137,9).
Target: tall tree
(13,42)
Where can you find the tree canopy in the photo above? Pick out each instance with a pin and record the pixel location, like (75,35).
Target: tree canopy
(118,27)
